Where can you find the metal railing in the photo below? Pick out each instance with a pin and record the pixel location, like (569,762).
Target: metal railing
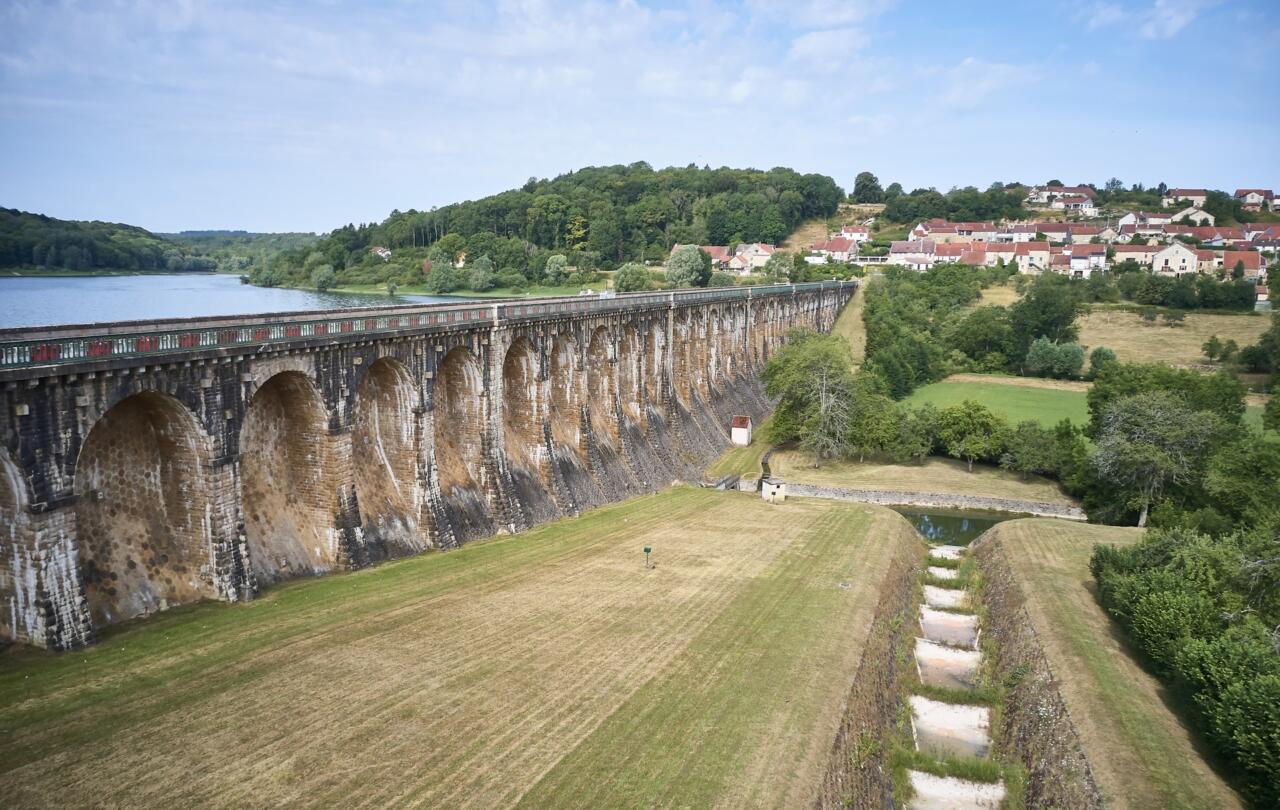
(41,347)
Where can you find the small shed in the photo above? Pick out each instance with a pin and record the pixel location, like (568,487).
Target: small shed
(740,430)
(773,490)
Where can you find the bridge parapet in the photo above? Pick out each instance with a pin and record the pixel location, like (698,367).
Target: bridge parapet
(34,352)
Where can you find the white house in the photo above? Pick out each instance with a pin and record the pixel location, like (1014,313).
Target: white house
(1198,216)
(1032,257)
(1175,259)
(1151,218)
(1074,204)
(756,254)
(1196,196)
(854,233)
(1255,199)
(918,254)
(839,249)
(740,430)
(1142,254)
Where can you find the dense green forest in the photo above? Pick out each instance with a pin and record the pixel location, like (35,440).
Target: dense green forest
(34,241)
(598,218)
(239,251)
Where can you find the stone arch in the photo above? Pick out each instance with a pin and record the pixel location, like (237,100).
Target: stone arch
(142,494)
(566,406)
(523,411)
(682,358)
(287,487)
(655,345)
(631,393)
(459,421)
(601,389)
(699,362)
(384,458)
(19,604)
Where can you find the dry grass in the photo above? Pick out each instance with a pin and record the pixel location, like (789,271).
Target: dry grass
(1135,342)
(744,461)
(941,475)
(805,235)
(549,666)
(1021,382)
(1141,753)
(1001,295)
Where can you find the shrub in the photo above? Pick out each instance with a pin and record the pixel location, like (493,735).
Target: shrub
(631,277)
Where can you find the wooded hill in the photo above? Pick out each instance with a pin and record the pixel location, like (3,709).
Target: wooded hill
(599,217)
(36,241)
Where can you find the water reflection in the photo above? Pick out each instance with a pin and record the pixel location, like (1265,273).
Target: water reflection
(952,527)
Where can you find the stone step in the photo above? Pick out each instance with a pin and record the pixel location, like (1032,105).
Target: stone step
(940,665)
(948,793)
(950,728)
(943,573)
(955,629)
(936,597)
(947,552)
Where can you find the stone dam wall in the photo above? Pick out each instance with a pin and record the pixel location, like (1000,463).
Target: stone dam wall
(148,465)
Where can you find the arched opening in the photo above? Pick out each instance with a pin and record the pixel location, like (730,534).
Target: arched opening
(19,610)
(384,458)
(565,417)
(699,360)
(682,359)
(522,410)
(655,364)
(601,388)
(459,421)
(630,379)
(288,495)
(141,496)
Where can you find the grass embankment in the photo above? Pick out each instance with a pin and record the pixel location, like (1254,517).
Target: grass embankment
(1000,295)
(941,475)
(850,326)
(1141,753)
(1135,341)
(744,461)
(550,662)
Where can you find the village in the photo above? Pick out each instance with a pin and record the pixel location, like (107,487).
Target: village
(1076,237)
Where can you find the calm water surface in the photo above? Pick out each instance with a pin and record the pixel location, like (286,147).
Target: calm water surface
(32,301)
(952,527)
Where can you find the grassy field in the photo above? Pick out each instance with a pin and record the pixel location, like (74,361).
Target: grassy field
(1017,398)
(1001,295)
(1028,398)
(941,475)
(549,667)
(1135,342)
(1141,753)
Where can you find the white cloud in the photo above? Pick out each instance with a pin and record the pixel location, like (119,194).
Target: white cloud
(818,13)
(974,80)
(828,47)
(1167,17)
(1101,15)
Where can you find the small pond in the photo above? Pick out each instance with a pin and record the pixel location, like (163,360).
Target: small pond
(955,527)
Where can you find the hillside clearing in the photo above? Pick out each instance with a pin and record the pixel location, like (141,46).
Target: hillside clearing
(850,325)
(1016,398)
(941,475)
(1136,342)
(550,662)
(1000,295)
(1140,752)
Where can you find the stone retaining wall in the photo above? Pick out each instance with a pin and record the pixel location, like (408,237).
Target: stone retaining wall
(1036,725)
(937,500)
(858,773)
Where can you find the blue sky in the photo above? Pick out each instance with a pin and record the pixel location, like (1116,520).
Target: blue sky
(277,115)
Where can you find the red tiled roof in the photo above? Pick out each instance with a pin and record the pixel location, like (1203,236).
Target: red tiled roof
(741,422)
(1027,248)
(1251,258)
(1265,192)
(1182,193)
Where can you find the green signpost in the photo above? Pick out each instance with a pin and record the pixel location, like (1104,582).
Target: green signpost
(647,549)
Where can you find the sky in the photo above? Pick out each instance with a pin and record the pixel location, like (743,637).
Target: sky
(289,116)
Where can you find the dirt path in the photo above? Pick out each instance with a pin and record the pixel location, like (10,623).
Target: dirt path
(1141,753)
(453,679)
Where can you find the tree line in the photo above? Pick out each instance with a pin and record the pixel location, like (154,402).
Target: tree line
(598,218)
(36,241)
